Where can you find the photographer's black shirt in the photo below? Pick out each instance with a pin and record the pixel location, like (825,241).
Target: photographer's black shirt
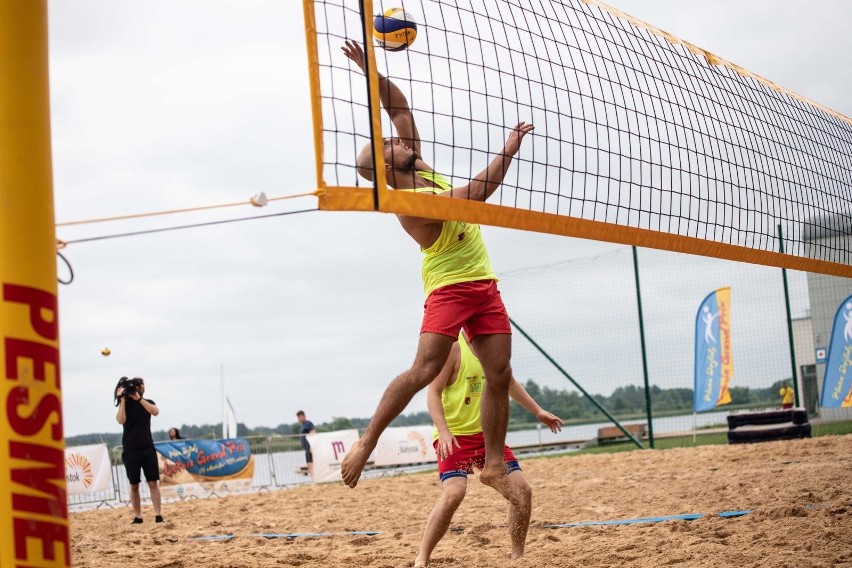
(137,426)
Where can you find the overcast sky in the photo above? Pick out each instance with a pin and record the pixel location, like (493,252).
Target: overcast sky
(160,105)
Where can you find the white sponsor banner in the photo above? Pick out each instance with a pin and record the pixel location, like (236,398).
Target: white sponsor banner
(328,450)
(405,445)
(87,469)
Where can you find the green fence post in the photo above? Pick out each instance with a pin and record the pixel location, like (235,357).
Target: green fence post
(789,321)
(644,354)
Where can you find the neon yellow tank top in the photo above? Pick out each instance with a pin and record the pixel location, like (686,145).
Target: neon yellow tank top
(459,254)
(462,400)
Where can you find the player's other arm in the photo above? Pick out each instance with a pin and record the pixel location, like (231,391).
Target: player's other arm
(392,99)
(446,440)
(488,180)
(520,395)
(426,231)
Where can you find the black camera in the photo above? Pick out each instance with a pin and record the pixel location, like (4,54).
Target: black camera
(131,386)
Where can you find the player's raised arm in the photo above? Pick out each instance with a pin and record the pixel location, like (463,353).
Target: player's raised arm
(392,99)
(488,180)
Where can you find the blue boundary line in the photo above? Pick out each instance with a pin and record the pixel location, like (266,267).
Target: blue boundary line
(286,535)
(684,517)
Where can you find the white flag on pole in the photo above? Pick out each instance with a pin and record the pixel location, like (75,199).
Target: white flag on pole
(229,425)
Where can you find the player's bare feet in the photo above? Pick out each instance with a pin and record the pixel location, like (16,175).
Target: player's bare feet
(354,462)
(496,477)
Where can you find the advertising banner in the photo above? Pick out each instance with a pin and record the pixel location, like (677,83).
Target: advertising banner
(196,468)
(714,362)
(328,450)
(837,382)
(87,469)
(405,445)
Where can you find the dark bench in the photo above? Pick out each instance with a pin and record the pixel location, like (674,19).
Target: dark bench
(614,433)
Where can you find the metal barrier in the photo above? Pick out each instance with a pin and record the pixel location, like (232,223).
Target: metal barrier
(279,463)
(106,498)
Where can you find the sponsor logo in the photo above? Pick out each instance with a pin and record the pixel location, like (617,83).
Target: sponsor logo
(338,448)
(78,469)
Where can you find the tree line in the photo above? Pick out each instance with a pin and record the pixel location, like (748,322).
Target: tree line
(568,405)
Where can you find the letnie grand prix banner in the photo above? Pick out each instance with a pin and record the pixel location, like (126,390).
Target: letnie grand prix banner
(837,382)
(196,468)
(714,362)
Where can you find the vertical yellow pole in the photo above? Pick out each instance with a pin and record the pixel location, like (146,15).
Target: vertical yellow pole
(33,506)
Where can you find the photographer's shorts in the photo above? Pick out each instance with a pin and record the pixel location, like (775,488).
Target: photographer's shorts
(137,461)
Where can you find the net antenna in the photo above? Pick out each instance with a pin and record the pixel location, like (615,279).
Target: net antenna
(641,138)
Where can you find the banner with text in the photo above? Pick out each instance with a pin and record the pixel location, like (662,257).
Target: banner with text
(837,382)
(197,468)
(405,445)
(328,450)
(87,469)
(714,362)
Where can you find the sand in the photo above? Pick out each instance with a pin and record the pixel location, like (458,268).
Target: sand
(800,493)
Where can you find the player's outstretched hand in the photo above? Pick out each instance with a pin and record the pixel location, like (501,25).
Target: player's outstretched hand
(353,51)
(513,142)
(550,420)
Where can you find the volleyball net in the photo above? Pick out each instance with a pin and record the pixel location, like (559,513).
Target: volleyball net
(640,138)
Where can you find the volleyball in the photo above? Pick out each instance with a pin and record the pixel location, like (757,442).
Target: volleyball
(105,351)
(394,30)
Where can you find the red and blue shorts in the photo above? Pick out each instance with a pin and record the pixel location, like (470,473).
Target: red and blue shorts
(476,306)
(471,454)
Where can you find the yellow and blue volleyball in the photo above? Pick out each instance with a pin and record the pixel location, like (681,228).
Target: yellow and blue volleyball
(394,30)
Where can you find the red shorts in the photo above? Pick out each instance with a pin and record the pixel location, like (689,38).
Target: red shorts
(476,306)
(471,453)
(787,405)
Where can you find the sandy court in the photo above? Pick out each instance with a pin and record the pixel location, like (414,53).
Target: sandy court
(800,493)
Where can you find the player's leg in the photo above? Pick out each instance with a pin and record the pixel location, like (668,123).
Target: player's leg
(520,509)
(432,352)
(453,489)
(494,352)
(490,331)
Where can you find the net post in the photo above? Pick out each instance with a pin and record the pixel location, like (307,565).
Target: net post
(373,104)
(33,528)
(314,81)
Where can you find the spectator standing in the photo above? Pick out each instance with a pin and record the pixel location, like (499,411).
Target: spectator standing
(306,427)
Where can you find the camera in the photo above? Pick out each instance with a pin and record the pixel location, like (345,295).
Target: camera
(131,386)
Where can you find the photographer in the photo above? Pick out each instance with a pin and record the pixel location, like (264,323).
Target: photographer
(134,415)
